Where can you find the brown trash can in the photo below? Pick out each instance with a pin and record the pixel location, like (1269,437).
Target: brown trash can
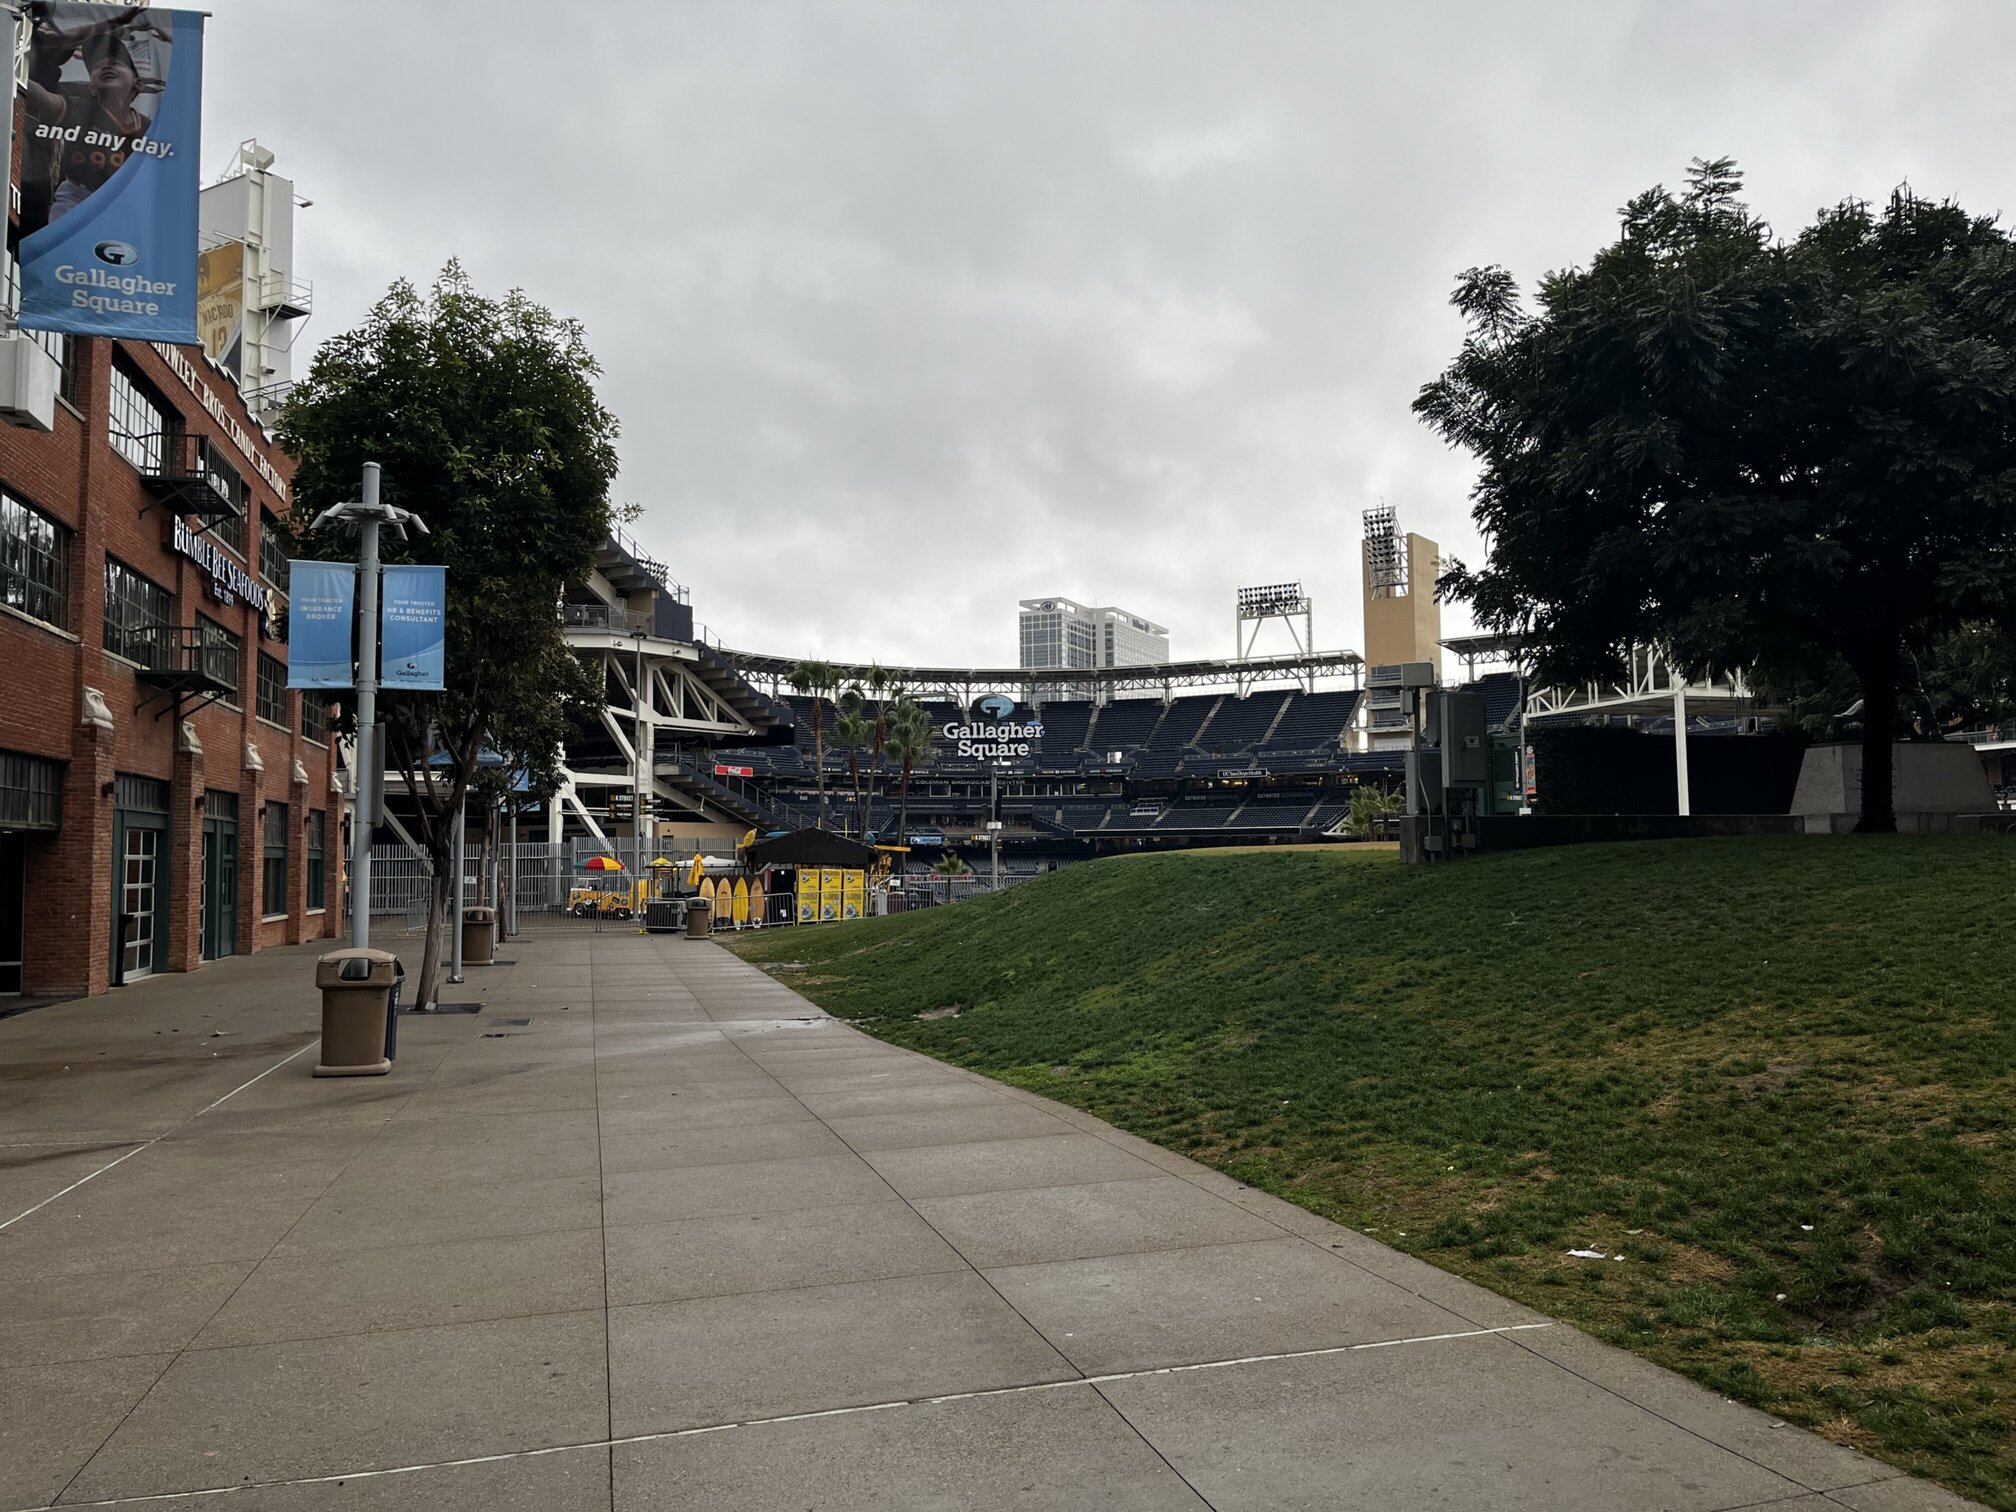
(479,936)
(356,990)
(699,918)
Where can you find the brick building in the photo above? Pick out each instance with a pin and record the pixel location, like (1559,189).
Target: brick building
(164,799)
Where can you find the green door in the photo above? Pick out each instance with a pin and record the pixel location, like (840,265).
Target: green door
(13,909)
(220,875)
(139,878)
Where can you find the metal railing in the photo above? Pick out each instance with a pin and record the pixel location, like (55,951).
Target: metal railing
(602,617)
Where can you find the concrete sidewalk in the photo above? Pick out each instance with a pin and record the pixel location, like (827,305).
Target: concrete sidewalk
(650,1232)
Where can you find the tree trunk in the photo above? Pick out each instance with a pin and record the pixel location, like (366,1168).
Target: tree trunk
(874,767)
(430,952)
(903,825)
(1879,718)
(819,758)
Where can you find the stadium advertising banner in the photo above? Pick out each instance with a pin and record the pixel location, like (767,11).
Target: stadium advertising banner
(321,608)
(110,169)
(220,303)
(414,652)
(995,734)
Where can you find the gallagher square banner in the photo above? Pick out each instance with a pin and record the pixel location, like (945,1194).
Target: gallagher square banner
(110,164)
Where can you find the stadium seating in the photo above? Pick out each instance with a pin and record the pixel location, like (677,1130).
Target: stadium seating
(1241,723)
(1196,816)
(1190,744)
(1065,724)
(1125,724)
(1185,717)
(1326,814)
(1314,721)
(1501,697)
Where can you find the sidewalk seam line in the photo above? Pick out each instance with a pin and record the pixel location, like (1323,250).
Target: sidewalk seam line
(851,1410)
(158,1137)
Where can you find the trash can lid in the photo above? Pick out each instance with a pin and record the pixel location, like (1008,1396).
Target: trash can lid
(353,953)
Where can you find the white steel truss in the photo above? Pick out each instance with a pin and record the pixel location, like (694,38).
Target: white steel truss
(677,702)
(1648,688)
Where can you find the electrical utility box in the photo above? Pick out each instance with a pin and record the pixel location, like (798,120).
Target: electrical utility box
(1452,771)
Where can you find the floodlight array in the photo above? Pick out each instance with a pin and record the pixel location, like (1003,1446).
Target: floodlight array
(1271,598)
(1384,559)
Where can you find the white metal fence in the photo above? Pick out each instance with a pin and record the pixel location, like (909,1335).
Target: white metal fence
(547,885)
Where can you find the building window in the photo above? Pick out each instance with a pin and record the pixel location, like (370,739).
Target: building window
(273,865)
(318,837)
(220,654)
(272,689)
(314,715)
(31,792)
(64,349)
(272,550)
(229,530)
(232,529)
(140,423)
(139,615)
(34,563)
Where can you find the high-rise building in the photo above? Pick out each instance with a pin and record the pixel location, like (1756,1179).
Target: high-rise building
(1061,632)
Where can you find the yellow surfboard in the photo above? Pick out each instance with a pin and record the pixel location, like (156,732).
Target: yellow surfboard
(741,905)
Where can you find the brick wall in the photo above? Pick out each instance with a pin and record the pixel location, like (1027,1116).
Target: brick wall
(74,475)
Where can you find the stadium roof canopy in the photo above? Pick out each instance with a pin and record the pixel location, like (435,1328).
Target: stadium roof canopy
(1072,682)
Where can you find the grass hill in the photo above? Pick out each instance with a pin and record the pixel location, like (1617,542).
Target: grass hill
(1778,1076)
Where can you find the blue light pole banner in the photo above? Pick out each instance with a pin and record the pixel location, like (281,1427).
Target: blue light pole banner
(414,649)
(110,166)
(321,611)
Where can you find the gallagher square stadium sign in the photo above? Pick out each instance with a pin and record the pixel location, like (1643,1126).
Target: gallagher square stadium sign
(995,734)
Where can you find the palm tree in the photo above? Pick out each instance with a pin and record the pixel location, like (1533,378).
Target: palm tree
(949,866)
(816,679)
(851,732)
(1370,805)
(880,681)
(909,743)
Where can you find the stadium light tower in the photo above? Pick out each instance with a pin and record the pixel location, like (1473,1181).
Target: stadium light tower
(1270,601)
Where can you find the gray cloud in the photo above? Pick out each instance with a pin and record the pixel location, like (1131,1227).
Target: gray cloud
(913,310)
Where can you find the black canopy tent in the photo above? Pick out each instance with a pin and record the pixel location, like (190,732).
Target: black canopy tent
(810,847)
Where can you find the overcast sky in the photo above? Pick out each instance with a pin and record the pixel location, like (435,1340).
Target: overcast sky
(910,311)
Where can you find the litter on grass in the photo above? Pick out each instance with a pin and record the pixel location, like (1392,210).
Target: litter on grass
(1589,1254)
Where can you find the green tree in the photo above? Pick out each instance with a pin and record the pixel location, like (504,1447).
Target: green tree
(1370,804)
(876,686)
(1966,680)
(1746,449)
(951,867)
(816,680)
(909,745)
(484,416)
(853,733)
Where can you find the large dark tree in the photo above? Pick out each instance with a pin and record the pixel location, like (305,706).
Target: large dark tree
(1747,449)
(483,415)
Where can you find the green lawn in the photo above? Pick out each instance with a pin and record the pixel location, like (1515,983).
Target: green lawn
(1776,1075)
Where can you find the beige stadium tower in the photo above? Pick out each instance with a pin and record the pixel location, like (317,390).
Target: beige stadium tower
(1403,618)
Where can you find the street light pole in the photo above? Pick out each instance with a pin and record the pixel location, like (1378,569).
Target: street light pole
(368,512)
(639,699)
(994,825)
(455,915)
(370,761)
